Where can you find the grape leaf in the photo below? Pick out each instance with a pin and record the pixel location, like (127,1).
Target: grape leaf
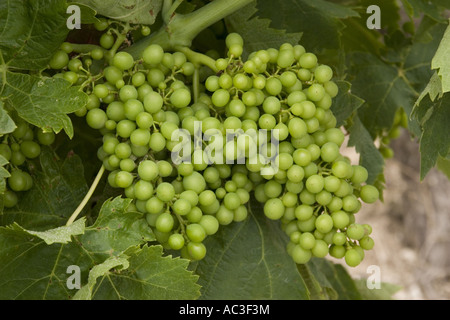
(116,229)
(415,8)
(87,14)
(31,31)
(441,61)
(370,157)
(248,260)
(3,175)
(334,279)
(443,164)
(58,188)
(31,269)
(434,118)
(345,103)
(150,276)
(320,21)
(245,23)
(7,124)
(132,11)
(382,86)
(35,263)
(100,270)
(58,235)
(44,103)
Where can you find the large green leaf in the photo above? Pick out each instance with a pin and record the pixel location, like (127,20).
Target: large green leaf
(31,31)
(7,124)
(434,117)
(248,260)
(149,276)
(58,188)
(44,103)
(345,103)
(32,269)
(245,23)
(370,157)
(384,89)
(35,263)
(319,20)
(116,229)
(441,61)
(132,11)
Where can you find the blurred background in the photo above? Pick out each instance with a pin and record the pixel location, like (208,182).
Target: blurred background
(410,228)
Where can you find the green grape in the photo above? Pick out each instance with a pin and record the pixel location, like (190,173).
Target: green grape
(10,199)
(107,40)
(182,207)
(197,251)
(123,179)
(307,240)
(164,222)
(30,149)
(340,219)
(366,243)
(320,249)
(300,255)
(315,183)
(274,209)
(324,223)
(355,231)
(59,60)
(96,118)
(195,232)
(323,74)
(369,194)
(352,257)
(143,190)
(176,241)
(165,191)
(148,170)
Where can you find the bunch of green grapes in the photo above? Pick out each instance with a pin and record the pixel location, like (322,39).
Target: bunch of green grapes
(191,151)
(22,145)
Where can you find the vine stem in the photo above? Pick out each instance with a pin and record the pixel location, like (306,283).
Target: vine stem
(181,29)
(198,58)
(87,197)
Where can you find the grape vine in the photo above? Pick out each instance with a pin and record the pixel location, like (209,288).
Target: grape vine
(284,150)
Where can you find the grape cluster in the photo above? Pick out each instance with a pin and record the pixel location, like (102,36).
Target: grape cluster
(22,145)
(191,150)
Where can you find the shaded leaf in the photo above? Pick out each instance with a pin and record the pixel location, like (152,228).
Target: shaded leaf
(31,31)
(434,142)
(7,124)
(248,260)
(132,11)
(320,21)
(116,229)
(345,103)
(383,88)
(58,188)
(150,276)
(441,61)
(33,269)
(370,157)
(100,270)
(58,235)
(44,103)
(245,23)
